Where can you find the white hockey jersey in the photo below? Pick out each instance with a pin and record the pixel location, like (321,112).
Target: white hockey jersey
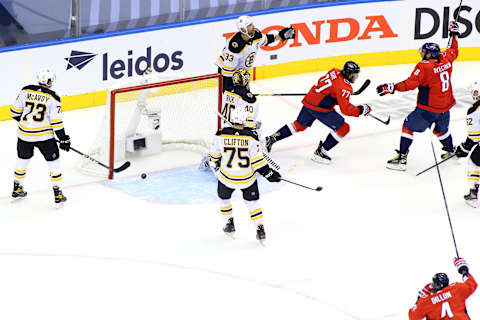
(239,97)
(473,122)
(240,156)
(240,54)
(40,112)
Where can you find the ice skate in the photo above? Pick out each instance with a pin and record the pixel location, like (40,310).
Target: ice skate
(399,162)
(320,155)
(229,228)
(472,197)
(59,197)
(18,193)
(448,153)
(261,234)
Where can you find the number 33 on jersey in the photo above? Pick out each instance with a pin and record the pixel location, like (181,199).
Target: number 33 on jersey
(40,113)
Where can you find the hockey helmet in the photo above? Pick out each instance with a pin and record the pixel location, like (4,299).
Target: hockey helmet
(440,281)
(475,90)
(238,115)
(242,23)
(430,47)
(45,75)
(351,70)
(241,77)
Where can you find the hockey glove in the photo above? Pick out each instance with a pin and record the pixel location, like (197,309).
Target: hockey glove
(386,88)
(453,29)
(461,265)
(214,165)
(364,109)
(287,33)
(460,151)
(65,143)
(273,176)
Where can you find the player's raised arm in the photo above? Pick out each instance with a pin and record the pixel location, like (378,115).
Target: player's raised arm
(452,51)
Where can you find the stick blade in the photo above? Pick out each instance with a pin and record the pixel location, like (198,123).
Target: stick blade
(362,88)
(319,189)
(122,167)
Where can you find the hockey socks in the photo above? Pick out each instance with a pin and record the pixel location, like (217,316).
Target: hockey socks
(332,140)
(256,214)
(55,174)
(226,209)
(20,170)
(282,133)
(446,140)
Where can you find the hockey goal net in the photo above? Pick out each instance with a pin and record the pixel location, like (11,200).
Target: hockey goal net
(154,114)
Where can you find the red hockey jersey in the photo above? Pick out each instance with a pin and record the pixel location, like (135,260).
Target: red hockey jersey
(432,79)
(332,89)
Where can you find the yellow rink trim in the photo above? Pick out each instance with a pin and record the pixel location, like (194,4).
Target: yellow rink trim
(99,98)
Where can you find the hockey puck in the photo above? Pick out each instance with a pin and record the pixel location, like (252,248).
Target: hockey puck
(144,175)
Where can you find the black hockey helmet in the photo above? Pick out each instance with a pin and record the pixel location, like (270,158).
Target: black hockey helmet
(432,48)
(350,68)
(440,281)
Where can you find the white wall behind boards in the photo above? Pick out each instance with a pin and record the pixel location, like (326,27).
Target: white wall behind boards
(94,65)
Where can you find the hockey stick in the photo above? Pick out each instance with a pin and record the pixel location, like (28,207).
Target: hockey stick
(319,188)
(385,122)
(443,193)
(265,155)
(456,18)
(116,170)
(437,164)
(362,88)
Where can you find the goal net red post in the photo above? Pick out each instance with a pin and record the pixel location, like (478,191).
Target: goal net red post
(156,113)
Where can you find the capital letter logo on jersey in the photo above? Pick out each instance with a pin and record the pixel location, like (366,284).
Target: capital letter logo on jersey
(79,59)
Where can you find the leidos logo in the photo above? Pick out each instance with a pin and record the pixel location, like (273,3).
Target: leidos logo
(79,59)
(161,62)
(120,68)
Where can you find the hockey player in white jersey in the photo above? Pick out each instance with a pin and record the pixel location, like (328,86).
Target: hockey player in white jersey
(463,150)
(237,159)
(239,96)
(38,111)
(242,47)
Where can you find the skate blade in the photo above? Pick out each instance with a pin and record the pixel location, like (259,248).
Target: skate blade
(320,160)
(17,199)
(472,203)
(397,167)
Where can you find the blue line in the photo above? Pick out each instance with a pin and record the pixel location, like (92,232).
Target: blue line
(183,24)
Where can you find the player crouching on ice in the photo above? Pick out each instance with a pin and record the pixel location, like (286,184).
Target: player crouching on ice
(38,111)
(237,158)
(473,130)
(435,98)
(334,88)
(442,300)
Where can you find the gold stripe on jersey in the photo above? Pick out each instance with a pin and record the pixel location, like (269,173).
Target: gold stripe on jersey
(215,156)
(35,134)
(238,137)
(237,179)
(14,112)
(226,67)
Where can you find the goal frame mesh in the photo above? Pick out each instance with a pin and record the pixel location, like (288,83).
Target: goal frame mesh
(114,92)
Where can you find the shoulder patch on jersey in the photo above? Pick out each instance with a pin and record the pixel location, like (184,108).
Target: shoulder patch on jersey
(236,43)
(473,108)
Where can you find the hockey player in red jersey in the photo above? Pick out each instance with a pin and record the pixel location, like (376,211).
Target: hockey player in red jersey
(334,88)
(442,300)
(435,98)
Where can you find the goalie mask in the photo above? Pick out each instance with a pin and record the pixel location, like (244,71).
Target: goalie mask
(238,116)
(475,90)
(45,75)
(241,77)
(242,23)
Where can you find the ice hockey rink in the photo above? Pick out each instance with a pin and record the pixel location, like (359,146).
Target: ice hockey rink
(154,248)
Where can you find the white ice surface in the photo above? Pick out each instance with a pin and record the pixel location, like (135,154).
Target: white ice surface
(360,249)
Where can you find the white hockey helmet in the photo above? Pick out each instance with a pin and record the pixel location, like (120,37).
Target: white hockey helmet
(238,116)
(44,75)
(242,23)
(475,90)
